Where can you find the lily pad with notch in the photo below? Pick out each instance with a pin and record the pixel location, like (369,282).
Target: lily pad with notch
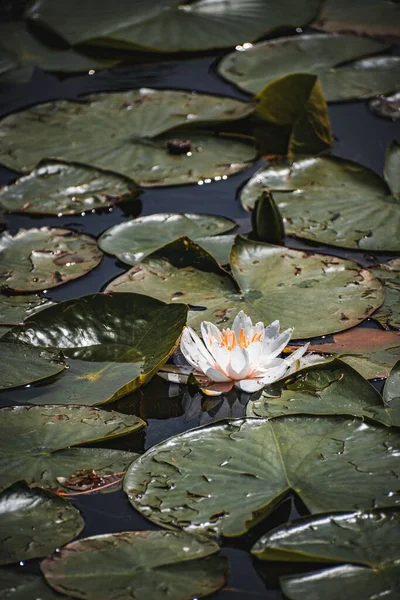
(268,282)
(226,477)
(132,241)
(334,201)
(129,133)
(32,437)
(137,564)
(59,188)
(114,343)
(39,259)
(170,25)
(34,523)
(253,68)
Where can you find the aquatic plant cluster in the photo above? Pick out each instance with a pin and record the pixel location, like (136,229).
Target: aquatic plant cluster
(234,382)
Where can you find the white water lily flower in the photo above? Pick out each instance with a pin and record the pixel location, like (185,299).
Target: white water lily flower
(246,356)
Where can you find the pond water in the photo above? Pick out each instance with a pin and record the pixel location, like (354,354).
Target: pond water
(171,408)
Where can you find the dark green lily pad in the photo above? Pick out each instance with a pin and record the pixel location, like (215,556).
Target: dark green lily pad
(332,389)
(389,312)
(370,539)
(315,294)
(137,564)
(377,18)
(125,132)
(21,586)
(34,523)
(391,391)
(58,188)
(226,477)
(39,259)
(28,52)
(132,241)
(171,26)
(115,342)
(255,67)
(30,436)
(85,470)
(14,309)
(23,364)
(332,201)
(292,117)
(371,352)
(386,106)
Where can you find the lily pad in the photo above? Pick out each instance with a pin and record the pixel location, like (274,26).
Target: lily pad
(377,18)
(292,117)
(39,259)
(14,309)
(371,352)
(386,106)
(34,523)
(115,342)
(22,364)
(137,564)
(391,391)
(58,188)
(131,241)
(226,477)
(28,52)
(389,274)
(331,201)
(332,389)
(20,586)
(170,25)
(219,246)
(253,68)
(268,283)
(31,435)
(125,132)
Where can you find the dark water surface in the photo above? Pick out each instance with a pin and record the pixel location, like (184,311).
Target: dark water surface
(170,408)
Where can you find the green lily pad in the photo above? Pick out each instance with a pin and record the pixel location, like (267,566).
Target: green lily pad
(14,309)
(170,25)
(253,68)
(331,389)
(363,538)
(315,294)
(39,259)
(84,470)
(391,391)
(20,586)
(386,106)
(389,275)
(132,241)
(28,52)
(226,477)
(31,435)
(115,342)
(125,132)
(34,523)
(219,246)
(377,18)
(137,564)
(57,188)
(332,201)
(22,364)
(370,539)
(292,117)
(371,352)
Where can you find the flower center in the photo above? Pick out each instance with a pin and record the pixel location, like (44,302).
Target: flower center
(229,340)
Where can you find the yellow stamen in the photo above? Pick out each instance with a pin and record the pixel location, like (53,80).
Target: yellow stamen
(257,337)
(243,341)
(228,339)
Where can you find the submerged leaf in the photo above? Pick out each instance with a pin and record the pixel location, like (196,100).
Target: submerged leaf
(31,435)
(170,26)
(315,294)
(226,477)
(58,188)
(127,133)
(34,523)
(38,259)
(331,201)
(137,564)
(115,344)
